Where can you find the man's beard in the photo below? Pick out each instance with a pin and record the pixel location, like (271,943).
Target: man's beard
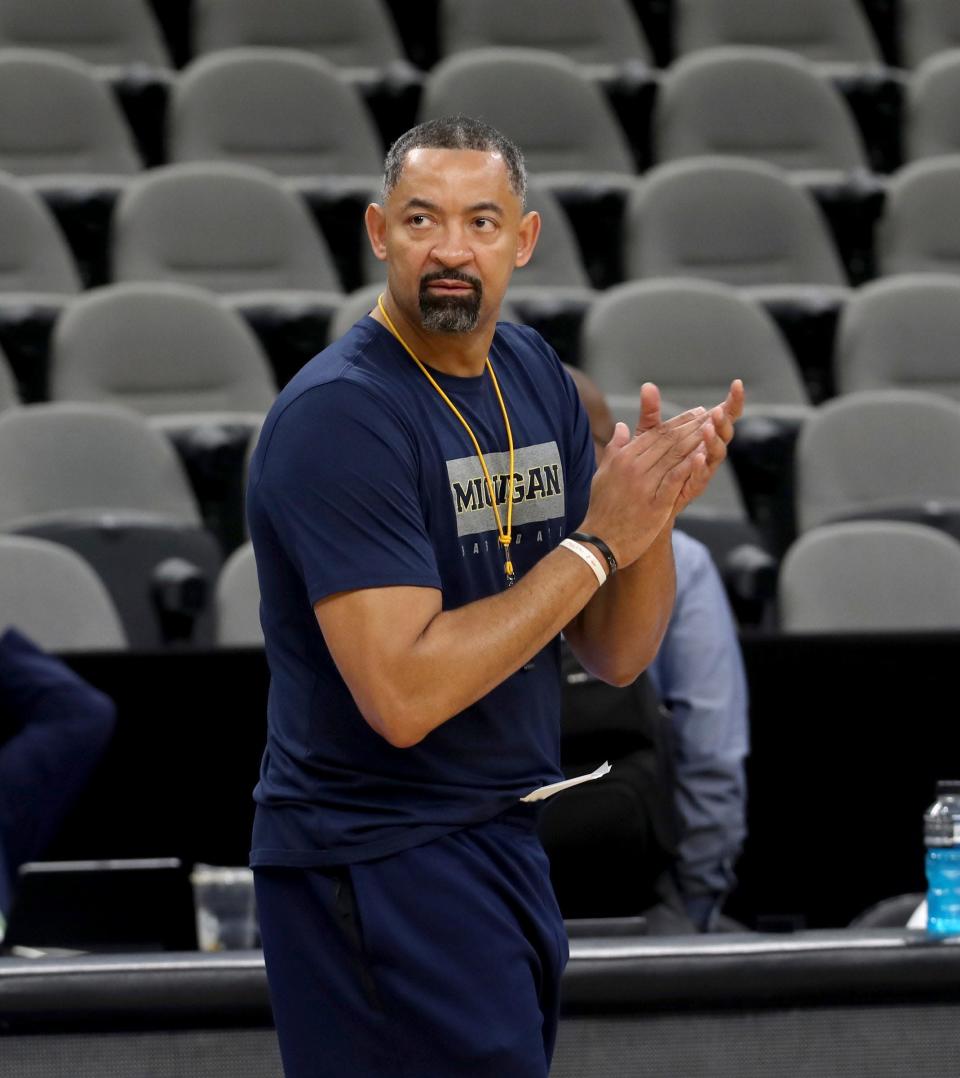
(450,314)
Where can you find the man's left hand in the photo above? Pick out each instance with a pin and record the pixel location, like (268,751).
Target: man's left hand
(717,427)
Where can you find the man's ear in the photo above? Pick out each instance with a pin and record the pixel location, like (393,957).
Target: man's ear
(527,237)
(376,221)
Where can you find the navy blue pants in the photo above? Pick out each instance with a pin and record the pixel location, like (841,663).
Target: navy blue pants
(442,961)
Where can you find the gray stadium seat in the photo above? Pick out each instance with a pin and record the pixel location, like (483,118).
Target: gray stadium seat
(9,398)
(920,228)
(37,277)
(225,227)
(927,27)
(103,32)
(61,458)
(819,30)
(754,102)
(592,32)
(887,454)
(36,258)
(556,261)
(552,292)
(870,576)
(353,34)
(902,332)
(744,223)
(53,596)
(60,126)
(57,118)
(97,479)
(238,231)
(690,337)
(542,101)
(563,123)
(186,360)
(738,221)
(284,110)
(163,349)
(932,121)
(238,601)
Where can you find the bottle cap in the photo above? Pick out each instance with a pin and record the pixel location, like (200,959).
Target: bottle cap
(948,787)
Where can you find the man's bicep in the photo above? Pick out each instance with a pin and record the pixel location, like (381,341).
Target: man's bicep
(370,633)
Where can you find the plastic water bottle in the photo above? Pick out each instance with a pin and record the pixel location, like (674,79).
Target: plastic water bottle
(941,832)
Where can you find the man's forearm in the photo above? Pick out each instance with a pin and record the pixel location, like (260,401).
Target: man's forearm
(618,632)
(463,654)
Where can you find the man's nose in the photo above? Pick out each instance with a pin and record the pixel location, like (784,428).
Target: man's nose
(451,249)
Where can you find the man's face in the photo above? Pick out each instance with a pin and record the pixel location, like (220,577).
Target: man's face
(451,232)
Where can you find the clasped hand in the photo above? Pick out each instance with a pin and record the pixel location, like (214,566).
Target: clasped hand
(645,479)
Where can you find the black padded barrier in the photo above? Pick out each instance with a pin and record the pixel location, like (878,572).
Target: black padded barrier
(882,1004)
(849,734)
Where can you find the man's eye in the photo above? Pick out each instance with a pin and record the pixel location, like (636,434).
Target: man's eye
(418,220)
(485,224)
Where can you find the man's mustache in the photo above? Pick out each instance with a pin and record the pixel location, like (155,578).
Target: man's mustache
(450,275)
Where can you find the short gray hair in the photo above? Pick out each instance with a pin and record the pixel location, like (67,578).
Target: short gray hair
(456,133)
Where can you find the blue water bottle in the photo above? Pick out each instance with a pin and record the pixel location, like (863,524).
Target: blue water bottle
(941,832)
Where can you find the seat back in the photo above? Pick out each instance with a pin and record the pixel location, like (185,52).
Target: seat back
(587,31)
(825,30)
(901,332)
(932,121)
(556,258)
(161,349)
(58,460)
(54,597)
(737,221)
(870,576)
(926,28)
(34,256)
(752,102)
(689,337)
(864,452)
(220,226)
(57,117)
(104,32)
(9,397)
(920,228)
(238,601)
(346,33)
(558,117)
(286,111)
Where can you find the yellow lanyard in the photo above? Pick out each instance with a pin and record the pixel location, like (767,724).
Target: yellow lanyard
(504,534)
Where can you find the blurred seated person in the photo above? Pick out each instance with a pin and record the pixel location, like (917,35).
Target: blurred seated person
(699,676)
(54,729)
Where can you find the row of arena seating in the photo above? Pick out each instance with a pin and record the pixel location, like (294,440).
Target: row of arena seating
(104,481)
(365,34)
(858,576)
(242,233)
(288,112)
(166,348)
(187,359)
(283,108)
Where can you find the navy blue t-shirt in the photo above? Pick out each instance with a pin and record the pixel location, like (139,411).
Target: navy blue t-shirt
(364,478)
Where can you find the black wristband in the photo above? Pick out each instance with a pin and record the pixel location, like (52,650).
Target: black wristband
(607,553)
